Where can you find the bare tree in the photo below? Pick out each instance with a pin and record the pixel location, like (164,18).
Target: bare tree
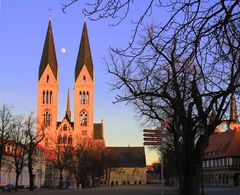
(6,127)
(18,156)
(62,157)
(184,69)
(86,162)
(34,137)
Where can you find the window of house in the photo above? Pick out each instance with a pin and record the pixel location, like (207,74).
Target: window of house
(47,98)
(84,132)
(65,127)
(47,118)
(87,97)
(47,78)
(59,141)
(70,140)
(84,97)
(50,98)
(84,80)
(43,97)
(83,118)
(64,139)
(81,98)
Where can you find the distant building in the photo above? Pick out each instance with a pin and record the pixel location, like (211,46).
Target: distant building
(221,163)
(125,165)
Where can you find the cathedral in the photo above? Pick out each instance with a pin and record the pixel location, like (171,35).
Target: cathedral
(66,132)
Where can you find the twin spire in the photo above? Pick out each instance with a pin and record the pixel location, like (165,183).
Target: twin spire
(49,58)
(49,54)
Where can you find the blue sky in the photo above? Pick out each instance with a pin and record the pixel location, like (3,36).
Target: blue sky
(23,26)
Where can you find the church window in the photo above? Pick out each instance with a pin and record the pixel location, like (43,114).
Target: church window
(81,98)
(83,119)
(84,80)
(59,141)
(43,100)
(47,98)
(47,118)
(65,127)
(84,97)
(64,139)
(47,78)
(70,140)
(87,98)
(84,132)
(50,97)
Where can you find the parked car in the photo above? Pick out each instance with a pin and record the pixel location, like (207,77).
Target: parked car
(8,188)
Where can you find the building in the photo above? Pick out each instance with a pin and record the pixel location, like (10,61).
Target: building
(221,164)
(125,165)
(66,131)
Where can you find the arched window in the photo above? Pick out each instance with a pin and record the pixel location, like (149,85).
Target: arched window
(65,127)
(83,118)
(64,139)
(47,78)
(47,118)
(59,141)
(70,140)
(84,97)
(81,98)
(47,98)
(43,97)
(50,97)
(87,98)
(84,80)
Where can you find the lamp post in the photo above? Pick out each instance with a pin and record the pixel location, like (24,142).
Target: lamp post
(9,174)
(201,129)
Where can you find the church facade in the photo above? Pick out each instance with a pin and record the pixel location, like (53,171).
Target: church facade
(66,131)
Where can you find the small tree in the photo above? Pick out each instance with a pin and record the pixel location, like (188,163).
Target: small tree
(18,156)
(6,127)
(62,157)
(33,139)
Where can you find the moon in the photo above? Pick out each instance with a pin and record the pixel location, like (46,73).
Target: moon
(63,50)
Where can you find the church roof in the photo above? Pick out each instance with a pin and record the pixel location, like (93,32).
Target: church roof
(98,131)
(84,55)
(224,144)
(48,54)
(125,156)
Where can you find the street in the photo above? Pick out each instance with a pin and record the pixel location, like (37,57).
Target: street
(127,190)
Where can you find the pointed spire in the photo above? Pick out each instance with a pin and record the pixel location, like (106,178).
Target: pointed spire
(68,110)
(84,54)
(48,54)
(233,109)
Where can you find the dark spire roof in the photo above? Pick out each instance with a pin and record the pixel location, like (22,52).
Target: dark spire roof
(233,109)
(84,54)
(68,110)
(48,54)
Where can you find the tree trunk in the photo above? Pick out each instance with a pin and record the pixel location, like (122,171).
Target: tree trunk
(16,182)
(190,180)
(60,179)
(30,171)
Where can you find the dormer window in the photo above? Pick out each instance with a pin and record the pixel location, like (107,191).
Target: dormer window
(47,78)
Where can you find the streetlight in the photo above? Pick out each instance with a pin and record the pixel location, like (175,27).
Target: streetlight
(9,174)
(201,130)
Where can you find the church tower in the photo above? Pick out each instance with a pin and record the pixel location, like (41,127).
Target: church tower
(84,90)
(47,98)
